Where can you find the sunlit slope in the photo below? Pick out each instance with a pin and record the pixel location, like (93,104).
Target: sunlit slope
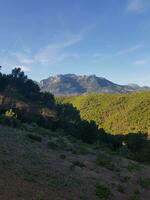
(116,113)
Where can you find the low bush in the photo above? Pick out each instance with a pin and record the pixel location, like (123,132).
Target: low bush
(145,182)
(78,163)
(34,137)
(121,189)
(62,156)
(102,191)
(9,122)
(105,160)
(135,197)
(52,145)
(133,167)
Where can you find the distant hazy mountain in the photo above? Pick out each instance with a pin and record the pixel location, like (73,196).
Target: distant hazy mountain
(71,84)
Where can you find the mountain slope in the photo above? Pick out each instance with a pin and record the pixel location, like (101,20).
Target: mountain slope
(116,113)
(71,84)
(32,169)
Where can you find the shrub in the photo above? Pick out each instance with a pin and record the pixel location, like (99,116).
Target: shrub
(102,191)
(87,131)
(135,142)
(145,182)
(62,156)
(137,191)
(9,118)
(62,143)
(78,163)
(134,197)
(133,167)
(39,198)
(52,145)
(81,149)
(121,188)
(28,177)
(34,137)
(10,114)
(125,179)
(105,161)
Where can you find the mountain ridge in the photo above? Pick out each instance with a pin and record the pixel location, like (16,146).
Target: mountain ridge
(72,84)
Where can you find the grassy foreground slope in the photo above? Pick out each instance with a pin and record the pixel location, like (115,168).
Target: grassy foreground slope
(37,164)
(117,114)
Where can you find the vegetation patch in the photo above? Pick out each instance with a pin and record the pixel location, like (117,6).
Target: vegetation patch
(121,189)
(116,113)
(28,177)
(78,163)
(105,161)
(63,156)
(125,179)
(58,179)
(145,182)
(133,167)
(102,191)
(137,191)
(135,197)
(34,137)
(80,149)
(52,145)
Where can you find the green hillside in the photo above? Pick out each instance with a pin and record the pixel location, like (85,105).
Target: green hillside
(116,113)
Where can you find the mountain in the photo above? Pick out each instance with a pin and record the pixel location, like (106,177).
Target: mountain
(71,84)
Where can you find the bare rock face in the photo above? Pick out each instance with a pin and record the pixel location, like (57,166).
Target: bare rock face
(71,84)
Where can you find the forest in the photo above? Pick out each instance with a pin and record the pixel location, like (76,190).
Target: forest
(116,113)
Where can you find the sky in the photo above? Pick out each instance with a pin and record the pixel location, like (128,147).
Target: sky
(108,38)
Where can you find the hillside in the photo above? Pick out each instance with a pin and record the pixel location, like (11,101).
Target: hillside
(117,114)
(48,152)
(38,164)
(71,84)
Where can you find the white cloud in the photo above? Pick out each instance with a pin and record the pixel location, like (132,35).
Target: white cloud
(141,62)
(138,6)
(128,50)
(7,67)
(135,6)
(25,69)
(55,52)
(50,54)
(22,58)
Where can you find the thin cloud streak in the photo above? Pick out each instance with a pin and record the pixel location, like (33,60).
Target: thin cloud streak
(141,62)
(138,6)
(121,52)
(55,52)
(128,50)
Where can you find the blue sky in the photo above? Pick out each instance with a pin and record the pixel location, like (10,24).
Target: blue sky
(109,38)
